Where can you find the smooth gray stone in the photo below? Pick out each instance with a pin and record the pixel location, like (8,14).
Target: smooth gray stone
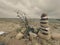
(1,43)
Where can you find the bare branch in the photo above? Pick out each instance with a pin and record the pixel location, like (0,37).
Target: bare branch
(22,17)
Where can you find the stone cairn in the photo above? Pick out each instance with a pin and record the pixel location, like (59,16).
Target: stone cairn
(44,31)
(44,24)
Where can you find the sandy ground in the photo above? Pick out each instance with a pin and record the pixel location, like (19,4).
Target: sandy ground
(12,27)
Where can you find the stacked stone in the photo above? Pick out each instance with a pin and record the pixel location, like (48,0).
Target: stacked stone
(44,24)
(44,29)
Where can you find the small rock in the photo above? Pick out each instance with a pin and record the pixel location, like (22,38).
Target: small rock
(47,37)
(19,35)
(2,43)
(32,35)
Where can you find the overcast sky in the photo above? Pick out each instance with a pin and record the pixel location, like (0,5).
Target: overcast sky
(33,8)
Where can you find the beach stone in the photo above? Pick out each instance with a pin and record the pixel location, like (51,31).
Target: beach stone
(55,36)
(32,35)
(35,43)
(46,37)
(23,30)
(2,43)
(19,35)
(16,42)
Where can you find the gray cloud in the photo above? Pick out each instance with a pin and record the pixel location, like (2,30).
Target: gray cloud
(33,8)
